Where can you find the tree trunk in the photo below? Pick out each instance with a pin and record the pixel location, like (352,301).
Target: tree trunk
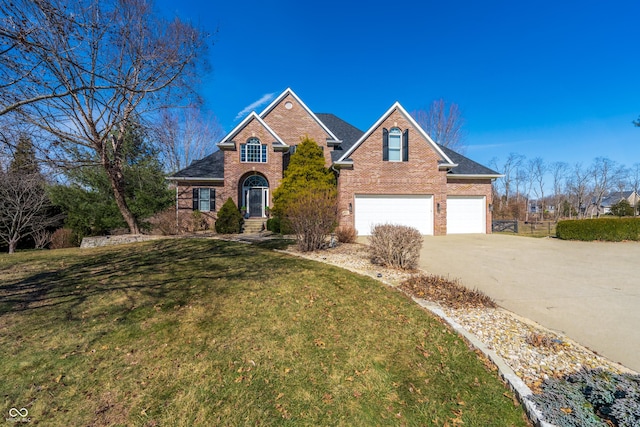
(116,178)
(13,243)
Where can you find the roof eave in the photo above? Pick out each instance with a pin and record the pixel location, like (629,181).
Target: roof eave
(192,178)
(343,164)
(474,176)
(444,166)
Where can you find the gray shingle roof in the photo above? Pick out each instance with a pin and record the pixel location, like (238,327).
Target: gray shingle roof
(211,166)
(615,197)
(466,166)
(344,131)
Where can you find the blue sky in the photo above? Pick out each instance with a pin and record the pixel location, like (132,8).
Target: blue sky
(555,79)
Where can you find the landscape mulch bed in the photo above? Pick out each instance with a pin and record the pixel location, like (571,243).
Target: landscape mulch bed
(445,291)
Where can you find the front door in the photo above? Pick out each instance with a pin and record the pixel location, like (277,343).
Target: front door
(255,202)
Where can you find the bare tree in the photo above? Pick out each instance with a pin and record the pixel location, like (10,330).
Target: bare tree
(82,71)
(24,207)
(578,186)
(508,170)
(634,181)
(558,172)
(184,135)
(444,124)
(537,170)
(603,173)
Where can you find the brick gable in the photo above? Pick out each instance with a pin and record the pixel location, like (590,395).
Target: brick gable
(372,175)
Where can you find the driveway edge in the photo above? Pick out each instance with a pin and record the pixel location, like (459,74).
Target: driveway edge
(508,375)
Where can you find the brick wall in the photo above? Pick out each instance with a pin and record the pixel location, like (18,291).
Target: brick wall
(294,123)
(473,187)
(372,175)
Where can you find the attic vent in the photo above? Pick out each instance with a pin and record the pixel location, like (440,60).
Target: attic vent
(288,105)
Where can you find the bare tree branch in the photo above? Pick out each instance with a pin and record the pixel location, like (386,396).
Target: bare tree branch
(444,124)
(82,71)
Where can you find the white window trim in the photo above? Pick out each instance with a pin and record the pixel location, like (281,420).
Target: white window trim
(262,151)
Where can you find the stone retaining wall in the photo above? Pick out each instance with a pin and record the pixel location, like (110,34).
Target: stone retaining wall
(95,242)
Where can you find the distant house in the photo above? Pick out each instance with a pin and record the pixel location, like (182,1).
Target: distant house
(391,173)
(611,199)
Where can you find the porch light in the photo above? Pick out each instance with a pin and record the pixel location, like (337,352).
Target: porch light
(438,207)
(490,207)
(350,208)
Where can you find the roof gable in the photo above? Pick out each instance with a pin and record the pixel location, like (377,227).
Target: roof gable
(416,126)
(289,92)
(252,116)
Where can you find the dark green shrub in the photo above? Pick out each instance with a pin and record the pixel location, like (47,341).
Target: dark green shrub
(591,398)
(395,246)
(606,229)
(278,225)
(622,208)
(229,219)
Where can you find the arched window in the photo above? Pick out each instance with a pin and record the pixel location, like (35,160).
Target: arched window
(256,181)
(253,151)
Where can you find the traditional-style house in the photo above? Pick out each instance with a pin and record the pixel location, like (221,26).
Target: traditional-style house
(391,173)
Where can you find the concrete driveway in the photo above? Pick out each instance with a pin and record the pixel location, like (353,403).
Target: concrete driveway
(589,291)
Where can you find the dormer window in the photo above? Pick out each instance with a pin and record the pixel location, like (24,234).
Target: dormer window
(253,151)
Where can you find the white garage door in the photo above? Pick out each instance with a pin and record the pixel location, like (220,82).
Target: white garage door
(466,214)
(414,211)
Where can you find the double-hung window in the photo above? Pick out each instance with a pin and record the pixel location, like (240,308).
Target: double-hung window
(395,145)
(253,151)
(204,199)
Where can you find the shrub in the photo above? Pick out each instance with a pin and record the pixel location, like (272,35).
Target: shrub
(279,225)
(607,229)
(198,221)
(591,398)
(164,223)
(229,218)
(312,215)
(395,246)
(64,238)
(346,234)
(622,208)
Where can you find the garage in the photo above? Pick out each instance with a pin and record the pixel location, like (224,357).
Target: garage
(410,210)
(466,214)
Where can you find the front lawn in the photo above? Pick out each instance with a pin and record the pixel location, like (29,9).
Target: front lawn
(205,332)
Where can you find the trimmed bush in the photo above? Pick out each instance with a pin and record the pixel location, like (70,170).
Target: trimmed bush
(346,234)
(395,246)
(605,229)
(229,218)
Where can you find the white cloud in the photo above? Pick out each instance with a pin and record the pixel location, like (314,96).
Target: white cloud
(265,98)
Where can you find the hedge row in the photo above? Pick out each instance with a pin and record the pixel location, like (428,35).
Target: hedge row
(606,229)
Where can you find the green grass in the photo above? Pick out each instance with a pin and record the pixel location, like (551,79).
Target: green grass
(205,332)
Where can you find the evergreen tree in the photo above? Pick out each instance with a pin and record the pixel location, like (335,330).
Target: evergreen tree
(306,173)
(88,199)
(24,158)
(229,218)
